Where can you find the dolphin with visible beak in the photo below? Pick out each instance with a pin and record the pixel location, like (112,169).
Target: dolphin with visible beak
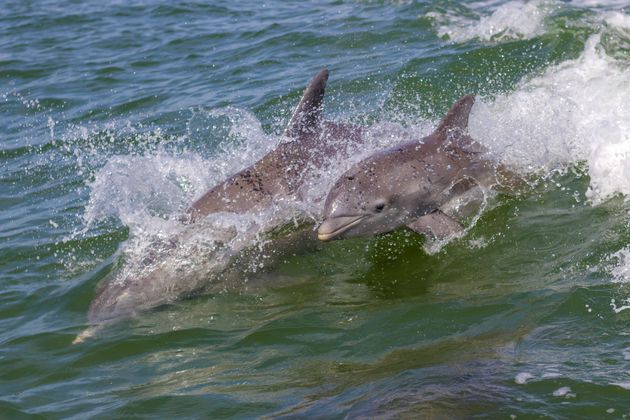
(411,184)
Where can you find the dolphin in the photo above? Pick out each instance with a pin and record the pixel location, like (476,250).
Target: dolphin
(279,174)
(309,141)
(414,184)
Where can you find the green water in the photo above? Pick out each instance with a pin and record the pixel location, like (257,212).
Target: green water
(115,117)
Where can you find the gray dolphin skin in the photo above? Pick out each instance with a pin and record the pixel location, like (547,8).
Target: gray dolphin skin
(410,185)
(280,172)
(309,141)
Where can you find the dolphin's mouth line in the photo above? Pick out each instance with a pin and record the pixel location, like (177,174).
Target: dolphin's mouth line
(350,222)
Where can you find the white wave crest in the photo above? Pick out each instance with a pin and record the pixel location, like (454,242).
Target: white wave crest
(511,20)
(575,111)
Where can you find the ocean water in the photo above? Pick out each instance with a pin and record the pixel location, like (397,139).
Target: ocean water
(116,116)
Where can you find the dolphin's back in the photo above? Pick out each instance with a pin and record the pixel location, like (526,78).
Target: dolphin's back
(273,174)
(281,171)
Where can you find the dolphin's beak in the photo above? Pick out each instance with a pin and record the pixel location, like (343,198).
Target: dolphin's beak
(335,226)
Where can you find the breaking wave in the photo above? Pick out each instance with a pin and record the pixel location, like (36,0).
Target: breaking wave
(490,22)
(497,21)
(575,112)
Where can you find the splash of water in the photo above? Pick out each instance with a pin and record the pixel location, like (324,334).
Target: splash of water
(576,111)
(488,21)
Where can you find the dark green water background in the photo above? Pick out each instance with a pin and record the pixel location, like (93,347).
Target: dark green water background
(497,323)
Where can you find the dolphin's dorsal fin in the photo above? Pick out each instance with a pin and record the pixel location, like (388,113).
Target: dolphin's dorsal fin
(457,116)
(307,114)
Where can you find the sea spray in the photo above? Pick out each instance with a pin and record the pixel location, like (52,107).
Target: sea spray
(575,112)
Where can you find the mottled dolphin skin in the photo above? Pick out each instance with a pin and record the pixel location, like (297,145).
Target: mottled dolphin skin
(309,142)
(410,185)
(280,172)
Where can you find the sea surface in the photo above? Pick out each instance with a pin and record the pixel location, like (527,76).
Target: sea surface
(116,115)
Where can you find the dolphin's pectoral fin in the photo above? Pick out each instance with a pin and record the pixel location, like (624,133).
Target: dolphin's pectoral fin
(436,224)
(457,116)
(307,114)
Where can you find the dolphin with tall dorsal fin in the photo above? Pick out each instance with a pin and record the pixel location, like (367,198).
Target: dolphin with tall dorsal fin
(279,173)
(311,140)
(409,185)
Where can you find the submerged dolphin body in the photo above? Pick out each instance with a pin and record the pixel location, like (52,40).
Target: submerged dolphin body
(310,141)
(411,185)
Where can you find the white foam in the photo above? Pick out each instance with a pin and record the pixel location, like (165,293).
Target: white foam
(603,4)
(500,21)
(575,111)
(625,304)
(564,391)
(494,22)
(624,385)
(618,20)
(523,377)
(621,270)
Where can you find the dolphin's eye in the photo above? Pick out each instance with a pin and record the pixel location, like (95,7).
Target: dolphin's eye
(379,207)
